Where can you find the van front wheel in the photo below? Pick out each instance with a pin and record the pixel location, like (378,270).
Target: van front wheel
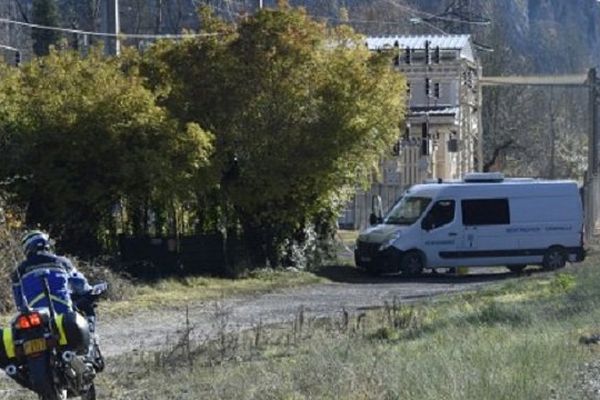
(411,264)
(555,258)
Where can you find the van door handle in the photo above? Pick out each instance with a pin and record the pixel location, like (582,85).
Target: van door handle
(452,234)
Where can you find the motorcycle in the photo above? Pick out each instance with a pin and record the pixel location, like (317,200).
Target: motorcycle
(55,356)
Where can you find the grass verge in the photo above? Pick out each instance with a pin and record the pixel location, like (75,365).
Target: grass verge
(517,340)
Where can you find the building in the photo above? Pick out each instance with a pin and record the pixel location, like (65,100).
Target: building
(442,136)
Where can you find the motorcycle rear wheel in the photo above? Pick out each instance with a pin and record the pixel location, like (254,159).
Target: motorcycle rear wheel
(62,395)
(41,379)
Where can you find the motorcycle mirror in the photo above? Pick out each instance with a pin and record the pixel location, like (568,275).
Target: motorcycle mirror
(99,288)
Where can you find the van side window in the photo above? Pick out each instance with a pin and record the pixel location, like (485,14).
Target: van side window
(442,213)
(485,212)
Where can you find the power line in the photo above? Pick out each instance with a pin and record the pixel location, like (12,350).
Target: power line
(104,34)
(361,21)
(415,13)
(430,16)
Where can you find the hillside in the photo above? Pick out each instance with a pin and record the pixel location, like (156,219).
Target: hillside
(553,35)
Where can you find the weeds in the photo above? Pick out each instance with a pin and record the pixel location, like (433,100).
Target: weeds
(499,344)
(494,312)
(563,282)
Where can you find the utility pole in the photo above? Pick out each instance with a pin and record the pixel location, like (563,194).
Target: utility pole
(159,16)
(110,24)
(552,169)
(592,183)
(594,122)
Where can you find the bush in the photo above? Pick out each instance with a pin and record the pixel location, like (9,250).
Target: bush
(10,253)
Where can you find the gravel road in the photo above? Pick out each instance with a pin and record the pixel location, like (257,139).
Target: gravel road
(146,330)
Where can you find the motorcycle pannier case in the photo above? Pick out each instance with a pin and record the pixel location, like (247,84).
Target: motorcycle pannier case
(74,332)
(7,348)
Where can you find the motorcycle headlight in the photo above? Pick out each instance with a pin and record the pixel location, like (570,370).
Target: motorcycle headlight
(390,241)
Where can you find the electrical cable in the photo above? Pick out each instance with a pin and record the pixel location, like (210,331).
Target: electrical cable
(415,13)
(431,16)
(105,34)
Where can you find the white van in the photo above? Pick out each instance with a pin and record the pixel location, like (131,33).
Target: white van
(484,220)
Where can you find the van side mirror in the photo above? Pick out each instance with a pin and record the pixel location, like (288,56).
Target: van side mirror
(376,209)
(374,219)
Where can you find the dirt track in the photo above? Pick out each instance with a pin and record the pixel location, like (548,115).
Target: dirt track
(149,330)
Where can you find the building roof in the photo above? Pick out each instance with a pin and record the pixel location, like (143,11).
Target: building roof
(462,43)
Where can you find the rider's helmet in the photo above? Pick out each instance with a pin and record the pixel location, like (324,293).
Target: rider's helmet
(35,241)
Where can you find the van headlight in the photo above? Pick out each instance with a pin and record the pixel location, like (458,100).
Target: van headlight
(390,241)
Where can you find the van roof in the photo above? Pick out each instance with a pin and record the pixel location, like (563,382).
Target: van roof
(507,186)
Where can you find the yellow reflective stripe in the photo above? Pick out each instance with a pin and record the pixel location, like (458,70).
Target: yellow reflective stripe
(61,330)
(7,338)
(37,299)
(42,296)
(61,301)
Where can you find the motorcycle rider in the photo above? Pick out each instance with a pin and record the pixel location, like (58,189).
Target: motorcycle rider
(66,285)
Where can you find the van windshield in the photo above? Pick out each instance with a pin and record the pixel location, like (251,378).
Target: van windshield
(407,211)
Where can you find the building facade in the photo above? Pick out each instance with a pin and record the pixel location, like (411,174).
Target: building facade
(442,135)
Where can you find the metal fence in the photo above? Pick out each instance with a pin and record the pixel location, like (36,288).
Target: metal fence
(410,169)
(356,214)
(157,257)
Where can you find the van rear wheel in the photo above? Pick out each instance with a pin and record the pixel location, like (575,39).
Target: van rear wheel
(411,264)
(555,258)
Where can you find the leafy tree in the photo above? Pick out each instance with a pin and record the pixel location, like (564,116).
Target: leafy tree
(90,137)
(44,12)
(299,113)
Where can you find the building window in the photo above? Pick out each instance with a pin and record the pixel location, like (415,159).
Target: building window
(424,139)
(485,212)
(427,87)
(436,90)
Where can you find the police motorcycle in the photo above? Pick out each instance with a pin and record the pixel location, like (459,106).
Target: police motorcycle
(54,355)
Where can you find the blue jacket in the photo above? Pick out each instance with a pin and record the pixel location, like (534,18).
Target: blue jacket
(63,281)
